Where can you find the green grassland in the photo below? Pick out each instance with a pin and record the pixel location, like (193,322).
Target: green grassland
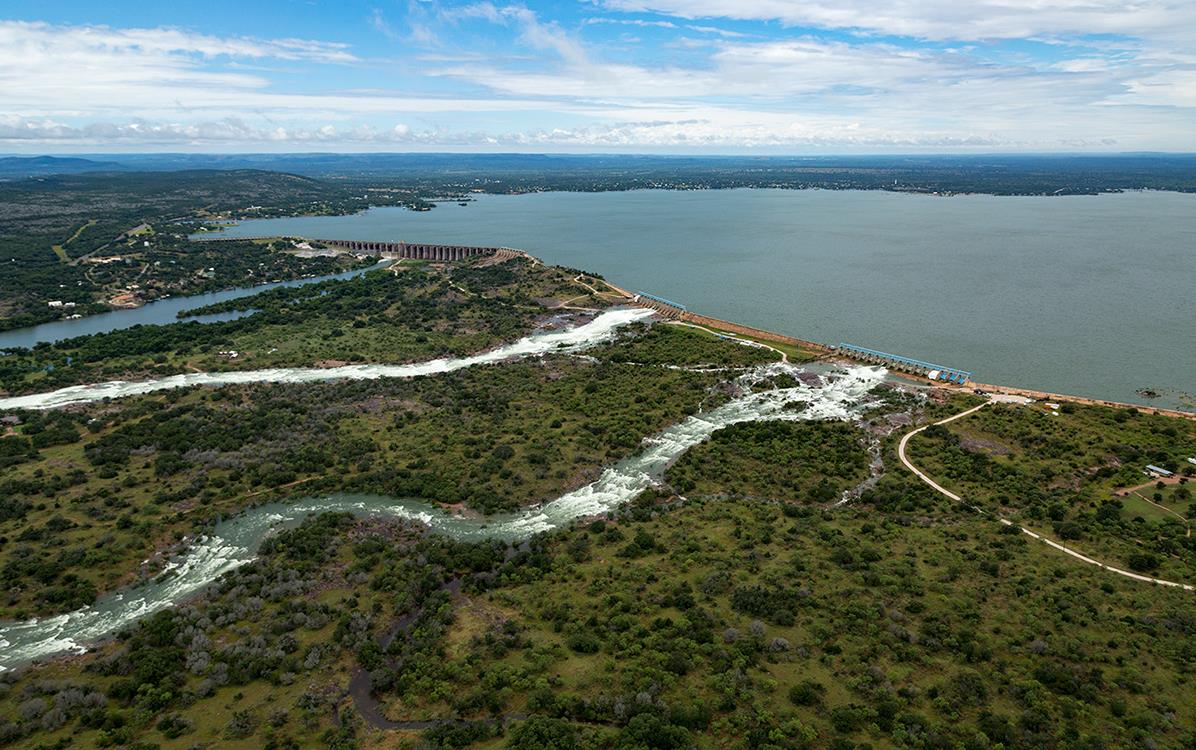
(682,346)
(793,352)
(1059,474)
(1175,499)
(88,493)
(778,461)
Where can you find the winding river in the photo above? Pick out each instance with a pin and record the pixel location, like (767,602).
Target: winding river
(829,394)
(601,328)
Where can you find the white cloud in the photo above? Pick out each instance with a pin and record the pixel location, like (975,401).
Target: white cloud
(40,38)
(780,71)
(226,130)
(630,22)
(379,23)
(948,19)
(547,89)
(715,30)
(695,132)
(70,72)
(1165,88)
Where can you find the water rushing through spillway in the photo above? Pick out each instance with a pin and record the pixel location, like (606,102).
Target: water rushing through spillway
(601,328)
(836,394)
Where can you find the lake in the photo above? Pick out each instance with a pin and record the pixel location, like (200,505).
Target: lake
(1090,295)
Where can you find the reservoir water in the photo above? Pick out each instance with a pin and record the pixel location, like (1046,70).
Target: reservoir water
(1089,295)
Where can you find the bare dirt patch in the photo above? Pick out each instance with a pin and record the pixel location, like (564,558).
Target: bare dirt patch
(981,445)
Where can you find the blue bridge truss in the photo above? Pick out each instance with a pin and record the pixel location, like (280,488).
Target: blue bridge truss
(948,374)
(663,301)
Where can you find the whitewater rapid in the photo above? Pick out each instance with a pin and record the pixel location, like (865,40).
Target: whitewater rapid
(602,328)
(841,394)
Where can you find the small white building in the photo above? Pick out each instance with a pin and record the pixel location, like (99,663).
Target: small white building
(1158,471)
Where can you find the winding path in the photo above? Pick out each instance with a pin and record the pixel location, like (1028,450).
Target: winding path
(1165,509)
(1049,542)
(731,337)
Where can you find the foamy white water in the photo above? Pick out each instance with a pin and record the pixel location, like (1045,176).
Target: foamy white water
(601,328)
(841,394)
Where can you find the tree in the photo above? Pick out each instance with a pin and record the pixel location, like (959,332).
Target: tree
(544,733)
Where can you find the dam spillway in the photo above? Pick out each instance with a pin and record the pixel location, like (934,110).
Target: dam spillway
(420,251)
(395,250)
(905,364)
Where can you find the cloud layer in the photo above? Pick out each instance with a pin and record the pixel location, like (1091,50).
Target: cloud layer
(687,75)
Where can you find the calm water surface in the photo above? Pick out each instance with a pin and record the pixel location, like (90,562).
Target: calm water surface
(1091,295)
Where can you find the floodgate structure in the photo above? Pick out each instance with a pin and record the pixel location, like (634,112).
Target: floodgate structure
(905,364)
(396,250)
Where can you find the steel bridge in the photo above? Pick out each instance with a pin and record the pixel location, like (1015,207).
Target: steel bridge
(665,307)
(906,364)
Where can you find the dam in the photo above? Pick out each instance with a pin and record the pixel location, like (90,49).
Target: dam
(394,250)
(904,364)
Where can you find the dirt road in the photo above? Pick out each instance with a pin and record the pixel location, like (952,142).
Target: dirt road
(1049,542)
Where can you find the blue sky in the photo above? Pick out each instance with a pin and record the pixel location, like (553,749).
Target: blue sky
(659,76)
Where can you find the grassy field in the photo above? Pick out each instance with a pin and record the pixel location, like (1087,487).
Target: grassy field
(1059,474)
(681,346)
(793,352)
(774,461)
(1175,499)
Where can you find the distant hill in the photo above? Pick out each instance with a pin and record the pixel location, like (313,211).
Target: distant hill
(434,173)
(16,167)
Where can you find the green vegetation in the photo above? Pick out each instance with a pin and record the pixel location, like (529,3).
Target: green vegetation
(82,239)
(721,624)
(780,461)
(729,607)
(420,313)
(83,506)
(1160,504)
(680,346)
(1061,474)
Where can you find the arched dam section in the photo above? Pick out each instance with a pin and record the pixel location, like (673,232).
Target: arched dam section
(396,250)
